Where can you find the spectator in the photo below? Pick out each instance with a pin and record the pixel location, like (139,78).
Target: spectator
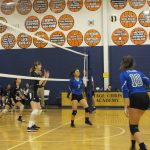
(117,90)
(109,89)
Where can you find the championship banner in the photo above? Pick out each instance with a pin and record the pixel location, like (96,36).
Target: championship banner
(101,99)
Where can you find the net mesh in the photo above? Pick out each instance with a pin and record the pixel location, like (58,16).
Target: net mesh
(56,54)
(32,37)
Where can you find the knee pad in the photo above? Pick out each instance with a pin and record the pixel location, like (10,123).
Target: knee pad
(74,112)
(5,111)
(87,110)
(22,107)
(134,129)
(35,112)
(40,111)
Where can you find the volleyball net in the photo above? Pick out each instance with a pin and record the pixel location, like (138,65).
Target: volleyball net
(28,36)
(40,40)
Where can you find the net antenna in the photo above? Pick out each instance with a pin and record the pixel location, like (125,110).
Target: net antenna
(85,70)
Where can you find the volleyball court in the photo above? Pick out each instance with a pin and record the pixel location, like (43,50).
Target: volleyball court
(109,126)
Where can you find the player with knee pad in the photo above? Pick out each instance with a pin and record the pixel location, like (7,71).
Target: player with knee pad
(87,111)
(21,107)
(35,71)
(76,88)
(74,113)
(134,129)
(17,96)
(136,99)
(6,96)
(34,114)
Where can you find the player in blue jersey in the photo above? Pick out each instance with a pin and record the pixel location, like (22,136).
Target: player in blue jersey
(76,87)
(136,99)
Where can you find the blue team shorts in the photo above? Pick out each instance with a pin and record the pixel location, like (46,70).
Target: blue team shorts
(77,97)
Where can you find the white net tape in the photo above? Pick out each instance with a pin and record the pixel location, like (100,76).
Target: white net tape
(30,78)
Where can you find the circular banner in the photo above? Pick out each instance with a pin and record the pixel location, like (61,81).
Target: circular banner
(137,4)
(75,38)
(40,43)
(8,41)
(75,5)
(138,36)
(24,40)
(3,27)
(92,37)
(144,18)
(57,6)
(40,6)
(32,23)
(93,5)
(66,22)
(120,37)
(8,7)
(49,23)
(58,38)
(118,4)
(24,7)
(128,19)
(148,1)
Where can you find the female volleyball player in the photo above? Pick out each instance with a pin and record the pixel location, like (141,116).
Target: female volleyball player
(5,94)
(135,96)
(76,88)
(17,95)
(7,101)
(14,97)
(40,92)
(85,81)
(93,94)
(35,102)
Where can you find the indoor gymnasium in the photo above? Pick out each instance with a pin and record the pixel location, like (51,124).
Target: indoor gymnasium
(74,74)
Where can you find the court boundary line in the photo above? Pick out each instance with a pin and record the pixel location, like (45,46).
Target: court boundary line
(87,140)
(49,131)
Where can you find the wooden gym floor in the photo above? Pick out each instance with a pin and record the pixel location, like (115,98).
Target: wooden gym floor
(109,132)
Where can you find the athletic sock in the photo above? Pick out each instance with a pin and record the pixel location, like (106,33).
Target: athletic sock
(133,143)
(72,121)
(86,118)
(31,123)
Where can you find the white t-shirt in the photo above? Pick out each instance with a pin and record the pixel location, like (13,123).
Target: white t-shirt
(85,80)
